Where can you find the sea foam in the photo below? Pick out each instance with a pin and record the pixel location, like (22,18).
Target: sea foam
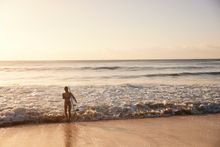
(36,104)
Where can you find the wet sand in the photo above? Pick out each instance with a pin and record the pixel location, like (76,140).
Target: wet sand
(179,131)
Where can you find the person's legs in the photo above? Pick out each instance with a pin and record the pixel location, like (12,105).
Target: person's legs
(65,110)
(69,111)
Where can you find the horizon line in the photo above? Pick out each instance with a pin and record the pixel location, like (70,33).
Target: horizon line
(80,60)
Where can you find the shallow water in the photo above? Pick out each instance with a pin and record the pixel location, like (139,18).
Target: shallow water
(31,91)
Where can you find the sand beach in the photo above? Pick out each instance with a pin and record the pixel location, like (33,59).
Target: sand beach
(181,131)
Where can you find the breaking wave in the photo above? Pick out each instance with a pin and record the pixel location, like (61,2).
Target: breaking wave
(109,112)
(43,104)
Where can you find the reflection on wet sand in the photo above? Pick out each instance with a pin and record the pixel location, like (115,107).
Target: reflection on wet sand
(70,135)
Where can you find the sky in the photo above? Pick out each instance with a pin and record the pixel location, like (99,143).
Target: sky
(109,29)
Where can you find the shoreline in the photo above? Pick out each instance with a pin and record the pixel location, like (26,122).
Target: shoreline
(62,120)
(194,130)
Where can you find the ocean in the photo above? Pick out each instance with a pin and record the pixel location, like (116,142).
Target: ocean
(31,91)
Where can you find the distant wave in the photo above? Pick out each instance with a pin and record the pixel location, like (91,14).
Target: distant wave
(129,68)
(136,68)
(184,74)
(171,74)
(102,68)
(148,75)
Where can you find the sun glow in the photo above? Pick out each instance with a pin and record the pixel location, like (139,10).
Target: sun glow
(66,30)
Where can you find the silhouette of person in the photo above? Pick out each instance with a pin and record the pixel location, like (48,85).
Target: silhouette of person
(67,102)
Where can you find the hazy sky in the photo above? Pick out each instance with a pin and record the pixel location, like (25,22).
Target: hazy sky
(109,29)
